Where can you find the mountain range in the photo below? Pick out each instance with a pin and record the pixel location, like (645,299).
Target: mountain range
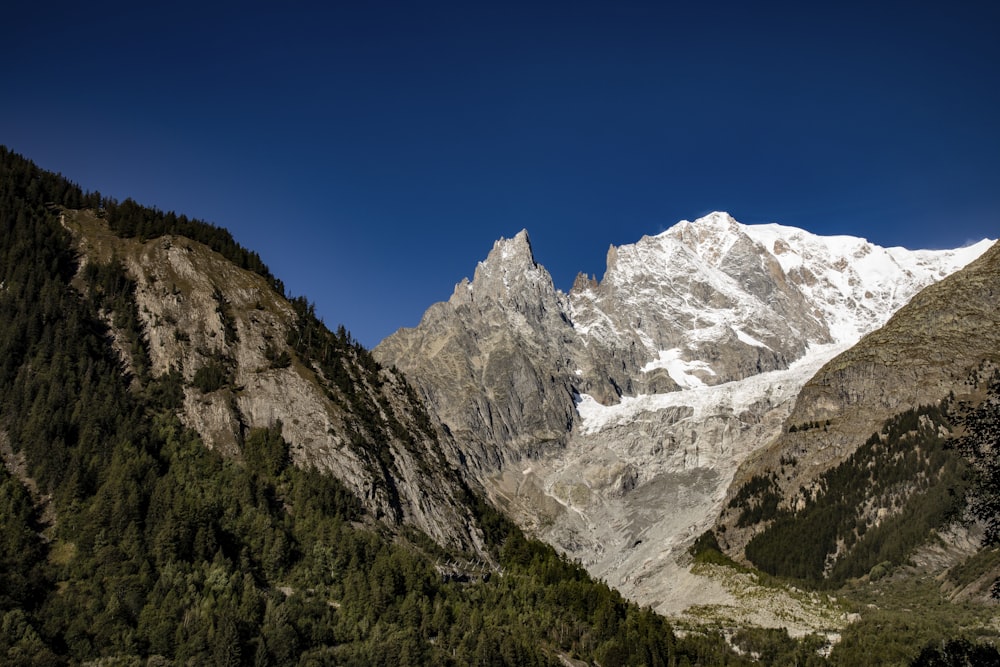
(612,420)
(747,429)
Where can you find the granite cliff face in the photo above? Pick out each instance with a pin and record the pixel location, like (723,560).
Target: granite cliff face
(479,356)
(610,420)
(199,310)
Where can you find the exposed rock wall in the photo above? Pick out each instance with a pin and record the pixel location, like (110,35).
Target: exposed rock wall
(197,308)
(494,361)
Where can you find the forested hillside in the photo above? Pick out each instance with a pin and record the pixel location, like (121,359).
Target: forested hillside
(868,513)
(125,537)
(928,467)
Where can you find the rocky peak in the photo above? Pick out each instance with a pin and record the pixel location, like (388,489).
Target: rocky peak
(584,282)
(709,237)
(509,266)
(509,288)
(508,256)
(701,292)
(507,332)
(513,251)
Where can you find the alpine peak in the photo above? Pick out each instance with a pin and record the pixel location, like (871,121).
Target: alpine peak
(717,222)
(513,250)
(509,269)
(648,388)
(716,218)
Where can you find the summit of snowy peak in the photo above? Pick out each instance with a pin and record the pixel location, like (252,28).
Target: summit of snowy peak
(762,290)
(710,237)
(714,220)
(702,291)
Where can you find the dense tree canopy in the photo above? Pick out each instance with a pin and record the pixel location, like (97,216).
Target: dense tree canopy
(909,468)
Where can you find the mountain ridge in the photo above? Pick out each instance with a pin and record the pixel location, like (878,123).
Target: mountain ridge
(679,349)
(201,312)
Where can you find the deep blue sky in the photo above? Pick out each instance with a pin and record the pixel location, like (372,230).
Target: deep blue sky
(371,152)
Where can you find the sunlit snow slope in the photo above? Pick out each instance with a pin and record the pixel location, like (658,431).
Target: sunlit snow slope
(714,300)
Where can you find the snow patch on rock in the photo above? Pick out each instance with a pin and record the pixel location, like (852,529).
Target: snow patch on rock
(680,370)
(728,398)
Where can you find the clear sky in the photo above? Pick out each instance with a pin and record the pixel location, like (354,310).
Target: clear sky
(372,152)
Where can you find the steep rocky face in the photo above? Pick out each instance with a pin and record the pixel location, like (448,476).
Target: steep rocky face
(701,304)
(852,285)
(494,360)
(199,311)
(925,352)
(683,361)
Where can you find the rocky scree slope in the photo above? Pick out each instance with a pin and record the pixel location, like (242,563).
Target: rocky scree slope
(250,358)
(610,420)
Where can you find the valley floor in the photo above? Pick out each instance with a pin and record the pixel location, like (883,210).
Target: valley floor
(878,622)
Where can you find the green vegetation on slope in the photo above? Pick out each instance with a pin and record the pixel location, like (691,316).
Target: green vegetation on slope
(909,620)
(124,537)
(873,508)
(981,444)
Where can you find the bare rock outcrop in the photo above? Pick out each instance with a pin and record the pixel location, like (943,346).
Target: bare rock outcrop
(494,361)
(198,311)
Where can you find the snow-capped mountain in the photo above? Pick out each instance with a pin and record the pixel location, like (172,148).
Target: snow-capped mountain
(713,300)
(611,419)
